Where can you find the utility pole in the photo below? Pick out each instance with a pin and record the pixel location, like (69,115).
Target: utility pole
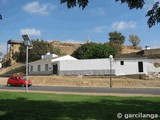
(110,61)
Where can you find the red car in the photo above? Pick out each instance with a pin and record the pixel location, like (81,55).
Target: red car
(18,81)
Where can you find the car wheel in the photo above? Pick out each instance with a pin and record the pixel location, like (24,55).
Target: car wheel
(23,85)
(8,85)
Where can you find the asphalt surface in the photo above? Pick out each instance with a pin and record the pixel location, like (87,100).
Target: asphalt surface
(91,90)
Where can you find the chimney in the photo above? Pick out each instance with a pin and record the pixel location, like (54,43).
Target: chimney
(42,57)
(147,47)
(48,53)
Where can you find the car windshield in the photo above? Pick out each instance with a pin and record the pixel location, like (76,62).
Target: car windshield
(23,78)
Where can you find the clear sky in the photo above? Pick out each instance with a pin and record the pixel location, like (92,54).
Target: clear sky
(50,20)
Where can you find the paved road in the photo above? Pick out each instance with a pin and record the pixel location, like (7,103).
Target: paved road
(145,91)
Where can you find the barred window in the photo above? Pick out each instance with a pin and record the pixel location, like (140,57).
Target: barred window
(31,68)
(39,67)
(46,67)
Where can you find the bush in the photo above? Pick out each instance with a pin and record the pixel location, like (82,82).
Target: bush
(94,50)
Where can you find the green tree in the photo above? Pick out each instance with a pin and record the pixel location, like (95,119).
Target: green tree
(39,48)
(153,14)
(134,39)
(73,3)
(94,50)
(116,38)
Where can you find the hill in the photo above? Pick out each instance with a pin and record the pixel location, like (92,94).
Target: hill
(17,68)
(130,49)
(65,48)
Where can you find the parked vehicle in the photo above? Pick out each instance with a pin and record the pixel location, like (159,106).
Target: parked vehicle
(18,81)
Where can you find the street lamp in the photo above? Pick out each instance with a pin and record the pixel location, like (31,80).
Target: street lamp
(110,61)
(28,44)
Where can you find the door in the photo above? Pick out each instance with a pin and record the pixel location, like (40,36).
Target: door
(140,66)
(55,69)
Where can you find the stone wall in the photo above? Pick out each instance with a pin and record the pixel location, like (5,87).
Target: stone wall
(13,49)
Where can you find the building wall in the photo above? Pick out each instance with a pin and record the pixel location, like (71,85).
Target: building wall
(13,49)
(42,71)
(131,66)
(51,61)
(150,67)
(102,67)
(96,67)
(85,67)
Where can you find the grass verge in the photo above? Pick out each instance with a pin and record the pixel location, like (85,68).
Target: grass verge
(37,106)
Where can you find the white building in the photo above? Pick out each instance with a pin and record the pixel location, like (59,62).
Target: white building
(68,65)
(84,67)
(46,65)
(102,67)
(129,66)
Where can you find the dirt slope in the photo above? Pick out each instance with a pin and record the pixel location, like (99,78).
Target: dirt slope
(130,49)
(16,68)
(66,48)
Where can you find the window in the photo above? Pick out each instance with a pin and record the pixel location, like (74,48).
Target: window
(122,62)
(46,67)
(39,67)
(31,68)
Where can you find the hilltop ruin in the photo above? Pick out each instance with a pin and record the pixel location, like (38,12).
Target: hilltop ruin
(13,47)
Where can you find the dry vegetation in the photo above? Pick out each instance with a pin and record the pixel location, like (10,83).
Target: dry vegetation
(69,48)
(92,81)
(130,49)
(16,68)
(89,81)
(66,48)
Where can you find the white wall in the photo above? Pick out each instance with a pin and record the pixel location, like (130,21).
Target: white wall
(96,67)
(100,65)
(131,66)
(85,67)
(47,60)
(42,71)
(90,64)
(149,66)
